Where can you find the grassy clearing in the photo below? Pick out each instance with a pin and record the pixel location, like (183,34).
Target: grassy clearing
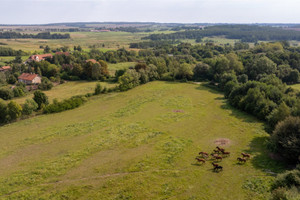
(134,145)
(295,86)
(68,89)
(114,67)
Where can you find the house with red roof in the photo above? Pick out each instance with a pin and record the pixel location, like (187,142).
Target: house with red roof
(29,78)
(39,58)
(5,68)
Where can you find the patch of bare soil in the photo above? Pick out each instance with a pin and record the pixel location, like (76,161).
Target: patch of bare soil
(178,111)
(222,141)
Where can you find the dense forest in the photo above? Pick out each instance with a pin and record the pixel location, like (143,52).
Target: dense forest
(44,35)
(246,33)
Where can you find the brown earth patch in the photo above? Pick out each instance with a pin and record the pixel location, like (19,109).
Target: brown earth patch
(178,111)
(222,141)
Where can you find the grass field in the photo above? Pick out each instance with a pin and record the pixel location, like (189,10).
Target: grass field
(139,144)
(110,40)
(68,89)
(114,67)
(296,86)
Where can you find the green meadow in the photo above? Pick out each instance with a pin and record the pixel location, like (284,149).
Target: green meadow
(139,144)
(67,90)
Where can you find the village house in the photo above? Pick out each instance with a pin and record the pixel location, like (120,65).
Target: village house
(29,78)
(5,68)
(39,58)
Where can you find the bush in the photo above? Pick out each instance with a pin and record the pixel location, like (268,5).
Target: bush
(40,98)
(45,84)
(29,106)
(19,91)
(129,80)
(6,93)
(66,104)
(3,111)
(286,138)
(98,89)
(286,185)
(14,111)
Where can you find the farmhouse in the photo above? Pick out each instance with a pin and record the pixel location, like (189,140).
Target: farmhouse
(28,78)
(39,58)
(5,68)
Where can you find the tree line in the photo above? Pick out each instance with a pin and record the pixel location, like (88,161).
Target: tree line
(43,35)
(246,33)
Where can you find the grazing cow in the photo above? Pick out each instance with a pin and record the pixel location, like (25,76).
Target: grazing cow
(241,160)
(245,155)
(200,160)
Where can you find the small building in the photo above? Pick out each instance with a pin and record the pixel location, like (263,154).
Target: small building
(5,68)
(29,78)
(39,58)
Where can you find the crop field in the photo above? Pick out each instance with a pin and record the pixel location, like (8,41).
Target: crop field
(139,144)
(102,40)
(67,90)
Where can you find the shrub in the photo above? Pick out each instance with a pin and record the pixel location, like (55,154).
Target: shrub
(19,91)
(29,106)
(14,111)
(6,93)
(40,98)
(286,138)
(129,80)
(66,104)
(98,89)
(3,111)
(45,84)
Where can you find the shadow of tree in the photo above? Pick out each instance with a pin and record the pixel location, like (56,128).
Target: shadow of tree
(261,156)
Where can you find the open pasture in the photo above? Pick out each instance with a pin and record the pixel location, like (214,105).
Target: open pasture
(67,90)
(139,144)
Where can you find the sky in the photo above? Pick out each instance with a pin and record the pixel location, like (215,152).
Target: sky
(171,11)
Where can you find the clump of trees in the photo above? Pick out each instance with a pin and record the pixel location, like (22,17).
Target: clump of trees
(66,104)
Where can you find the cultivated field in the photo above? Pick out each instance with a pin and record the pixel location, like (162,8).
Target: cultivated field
(101,40)
(67,90)
(139,144)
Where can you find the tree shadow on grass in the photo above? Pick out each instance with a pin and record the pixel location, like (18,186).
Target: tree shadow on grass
(226,106)
(209,88)
(261,157)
